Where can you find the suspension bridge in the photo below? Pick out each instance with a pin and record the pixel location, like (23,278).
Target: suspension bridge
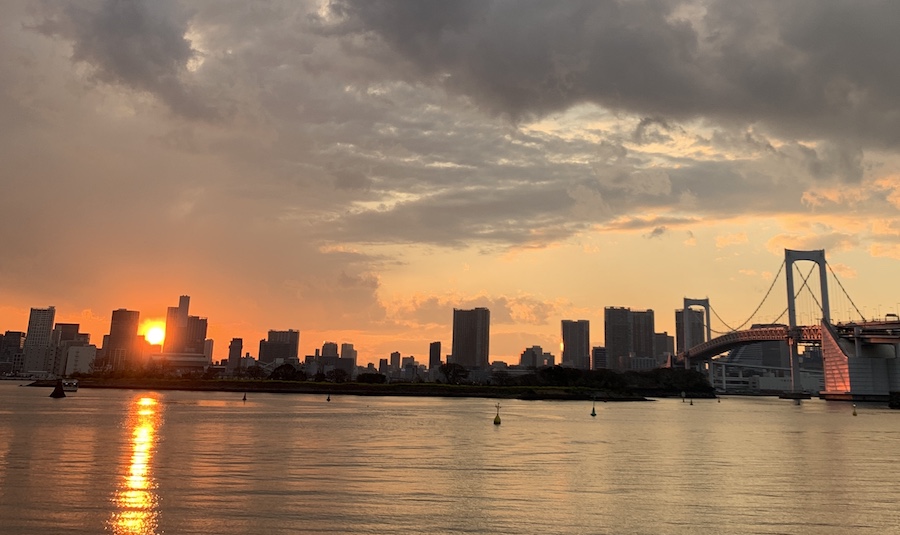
(860,358)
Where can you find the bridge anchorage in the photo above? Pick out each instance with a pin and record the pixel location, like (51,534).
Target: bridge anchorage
(860,359)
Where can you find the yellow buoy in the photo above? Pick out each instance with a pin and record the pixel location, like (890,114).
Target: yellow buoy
(497,418)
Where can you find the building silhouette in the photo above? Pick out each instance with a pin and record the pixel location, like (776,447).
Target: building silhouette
(576,339)
(176,326)
(36,350)
(120,348)
(598,358)
(284,345)
(471,337)
(434,355)
(630,338)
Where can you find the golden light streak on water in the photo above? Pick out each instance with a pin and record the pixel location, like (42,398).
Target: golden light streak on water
(136,503)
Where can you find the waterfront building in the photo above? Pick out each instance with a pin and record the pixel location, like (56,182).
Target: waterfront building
(576,340)
(36,349)
(235,349)
(434,355)
(598,358)
(176,325)
(536,357)
(11,345)
(283,345)
(471,337)
(618,333)
(120,349)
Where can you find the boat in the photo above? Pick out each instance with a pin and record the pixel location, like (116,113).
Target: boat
(70,385)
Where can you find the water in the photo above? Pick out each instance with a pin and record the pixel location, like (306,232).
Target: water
(131,462)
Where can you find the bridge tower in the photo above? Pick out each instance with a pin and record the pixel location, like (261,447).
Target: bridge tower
(790,257)
(685,324)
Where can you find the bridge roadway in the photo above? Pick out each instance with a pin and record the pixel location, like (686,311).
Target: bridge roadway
(721,344)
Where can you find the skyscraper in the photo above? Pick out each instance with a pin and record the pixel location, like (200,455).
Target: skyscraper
(120,349)
(37,340)
(576,338)
(471,337)
(235,350)
(618,330)
(643,331)
(176,326)
(281,345)
(434,355)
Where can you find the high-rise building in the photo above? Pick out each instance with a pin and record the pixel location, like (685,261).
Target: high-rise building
(37,340)
(395,360)
(348,352)
(663,344)
(235,350)
(121,349)
(643,333)
(194,339)
(11,345)
(598,358)
(619,334)
(434,355)
(62,337)
(695,333)
(283,345)
(576,339)
(471,337)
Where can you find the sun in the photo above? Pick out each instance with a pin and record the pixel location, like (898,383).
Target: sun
(155,335)
(154,331)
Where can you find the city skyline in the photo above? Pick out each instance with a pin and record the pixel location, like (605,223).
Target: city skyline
(355,171)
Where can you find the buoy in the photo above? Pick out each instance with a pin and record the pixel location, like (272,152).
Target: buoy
(692,401)
(594,409)
(854,409)
(328,398)
(58,391)
(718,400)
(497,418)
(245,397)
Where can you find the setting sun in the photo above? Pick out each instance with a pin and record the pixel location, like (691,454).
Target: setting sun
(154,331)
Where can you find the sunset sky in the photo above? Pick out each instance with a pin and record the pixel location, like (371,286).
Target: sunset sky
(355,169)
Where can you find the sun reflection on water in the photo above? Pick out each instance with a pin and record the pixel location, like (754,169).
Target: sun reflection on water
(135,500)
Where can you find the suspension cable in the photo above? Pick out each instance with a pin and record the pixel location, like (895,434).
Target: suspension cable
(761,303)
(845,291)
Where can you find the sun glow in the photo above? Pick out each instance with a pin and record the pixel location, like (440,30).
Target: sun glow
(154,331)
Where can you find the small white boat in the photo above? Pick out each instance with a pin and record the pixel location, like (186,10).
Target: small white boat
(70,385)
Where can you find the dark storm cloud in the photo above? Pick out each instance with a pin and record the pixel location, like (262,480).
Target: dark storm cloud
(808,68)
(139,44)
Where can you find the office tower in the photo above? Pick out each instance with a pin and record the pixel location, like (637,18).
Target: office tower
(37,340)
(434,355)
(576,337)
(395,360)
(695,333)
(348,352)
(383,366)
(194,339)
(235,350)
(283,345)
(643,333)
(663,344)
(62,337)
(120,349)
(471,337)
(176,326)
(11,346)
(618,331)
(598,358)
(330,349)
(535,357)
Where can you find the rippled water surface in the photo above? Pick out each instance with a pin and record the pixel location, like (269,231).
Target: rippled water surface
(131,462)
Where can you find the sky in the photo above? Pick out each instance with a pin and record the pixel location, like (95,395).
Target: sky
(356,169)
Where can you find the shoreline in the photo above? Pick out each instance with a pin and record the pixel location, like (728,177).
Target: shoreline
(361,389)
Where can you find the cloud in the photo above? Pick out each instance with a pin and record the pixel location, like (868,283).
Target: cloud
(810,69)
(138,44)
(727,240)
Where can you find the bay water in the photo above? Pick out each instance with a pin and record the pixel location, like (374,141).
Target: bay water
(174,462)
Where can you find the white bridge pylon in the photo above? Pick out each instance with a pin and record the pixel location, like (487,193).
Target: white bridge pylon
(685,324)
(791,256)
